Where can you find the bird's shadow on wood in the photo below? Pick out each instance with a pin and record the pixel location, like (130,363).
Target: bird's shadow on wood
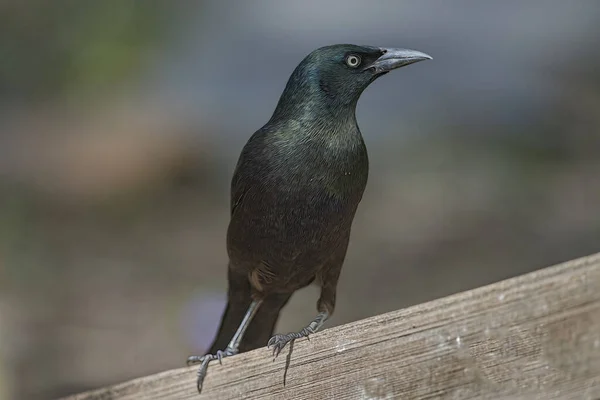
(288,360)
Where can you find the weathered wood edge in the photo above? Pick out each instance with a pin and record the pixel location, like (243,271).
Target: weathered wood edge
(509,325)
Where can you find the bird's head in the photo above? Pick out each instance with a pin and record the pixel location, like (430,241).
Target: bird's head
(338,74)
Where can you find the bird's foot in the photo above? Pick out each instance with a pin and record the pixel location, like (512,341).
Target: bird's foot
(205,359)
(219,355)
(279,341)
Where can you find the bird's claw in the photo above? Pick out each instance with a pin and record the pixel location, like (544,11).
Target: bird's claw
(192,360)
(279,341)
(204,360)
(225,353)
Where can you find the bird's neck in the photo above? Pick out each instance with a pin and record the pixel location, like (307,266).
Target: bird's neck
(317,123)
(305,110)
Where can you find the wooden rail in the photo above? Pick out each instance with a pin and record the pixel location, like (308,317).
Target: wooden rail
(536,336)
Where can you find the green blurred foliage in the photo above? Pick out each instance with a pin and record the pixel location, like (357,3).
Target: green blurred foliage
(54,48)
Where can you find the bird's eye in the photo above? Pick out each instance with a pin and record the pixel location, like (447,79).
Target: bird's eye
(353,61)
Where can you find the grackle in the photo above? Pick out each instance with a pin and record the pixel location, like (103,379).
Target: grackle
(294,193)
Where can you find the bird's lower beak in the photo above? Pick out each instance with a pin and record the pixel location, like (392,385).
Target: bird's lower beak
(396,58)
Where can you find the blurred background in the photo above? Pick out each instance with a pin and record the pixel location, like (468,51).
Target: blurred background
(121,122)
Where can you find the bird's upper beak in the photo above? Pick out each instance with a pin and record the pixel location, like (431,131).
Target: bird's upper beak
(396,58)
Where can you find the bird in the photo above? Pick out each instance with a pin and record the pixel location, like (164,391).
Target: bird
(294,193)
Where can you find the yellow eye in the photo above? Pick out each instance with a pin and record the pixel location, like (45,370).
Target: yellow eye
(353,61)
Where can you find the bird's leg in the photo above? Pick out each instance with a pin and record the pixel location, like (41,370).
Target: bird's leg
(232,347)
(279,341)
(327,278)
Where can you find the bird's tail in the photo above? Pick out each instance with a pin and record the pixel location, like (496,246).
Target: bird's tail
(261,327)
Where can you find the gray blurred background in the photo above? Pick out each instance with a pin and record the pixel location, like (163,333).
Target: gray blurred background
(120,126)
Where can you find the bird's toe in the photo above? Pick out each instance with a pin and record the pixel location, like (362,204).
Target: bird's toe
(279,342)
(192,360)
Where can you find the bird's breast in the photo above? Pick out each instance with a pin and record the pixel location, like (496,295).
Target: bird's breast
(338,167)
(298,204)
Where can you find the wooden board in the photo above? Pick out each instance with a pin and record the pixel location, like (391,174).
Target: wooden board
(536,336)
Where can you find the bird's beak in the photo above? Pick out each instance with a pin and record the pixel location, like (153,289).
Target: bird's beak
(396,58)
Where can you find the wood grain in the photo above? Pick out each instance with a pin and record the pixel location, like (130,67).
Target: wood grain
(536,336)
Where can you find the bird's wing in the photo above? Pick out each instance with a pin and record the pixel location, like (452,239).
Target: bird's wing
(237,196)
(244,176)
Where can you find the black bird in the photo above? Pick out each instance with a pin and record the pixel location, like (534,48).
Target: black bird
(294,193)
